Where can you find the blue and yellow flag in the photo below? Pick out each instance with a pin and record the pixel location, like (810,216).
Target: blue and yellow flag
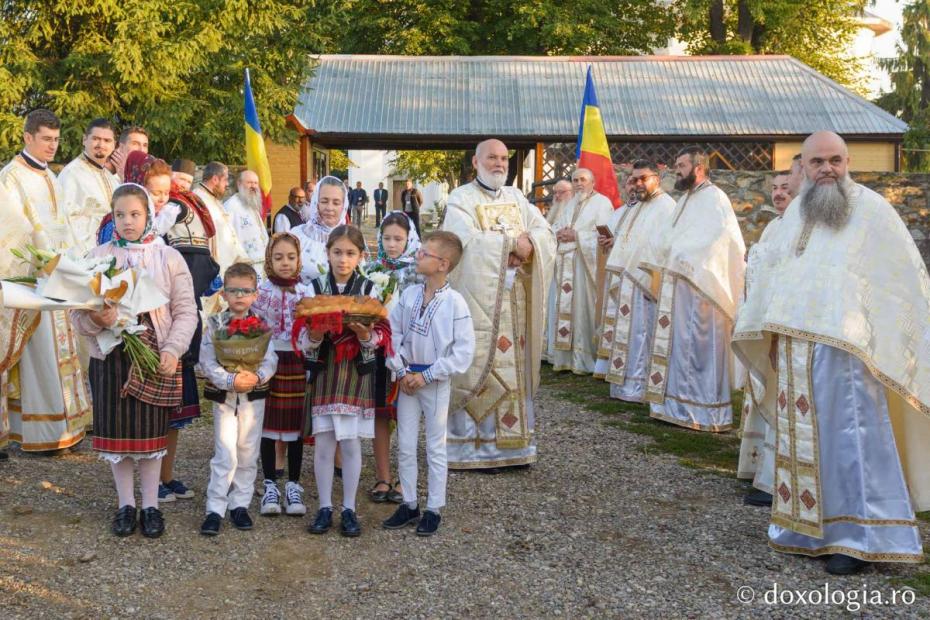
(592,151)
(255,157)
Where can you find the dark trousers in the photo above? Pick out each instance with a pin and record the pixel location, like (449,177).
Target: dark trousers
(415,216)
(380,211)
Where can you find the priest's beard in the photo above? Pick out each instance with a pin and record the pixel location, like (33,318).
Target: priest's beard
(494,180)
(684,184)
(826,204)
(250,199)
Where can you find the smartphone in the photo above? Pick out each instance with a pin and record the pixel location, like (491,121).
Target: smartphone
(603,231)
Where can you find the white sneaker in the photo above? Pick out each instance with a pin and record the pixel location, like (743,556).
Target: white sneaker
(271,501)
(294,499)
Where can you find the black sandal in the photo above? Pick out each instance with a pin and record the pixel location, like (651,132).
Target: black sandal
(394,496)
(379,497)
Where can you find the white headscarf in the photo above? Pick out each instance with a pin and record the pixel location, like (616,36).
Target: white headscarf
(409,255)
(314,228)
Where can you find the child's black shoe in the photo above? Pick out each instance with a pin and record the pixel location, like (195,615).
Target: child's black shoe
(429,523)
(211,525)
(402,517)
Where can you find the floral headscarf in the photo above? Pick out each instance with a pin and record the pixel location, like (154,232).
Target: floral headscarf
(148,234)
(137,163)
(287,283)
(409,255)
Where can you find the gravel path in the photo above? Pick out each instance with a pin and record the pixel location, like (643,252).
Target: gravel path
(601,527)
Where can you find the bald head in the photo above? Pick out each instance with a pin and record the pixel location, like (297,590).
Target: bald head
(491,161)
(824,157)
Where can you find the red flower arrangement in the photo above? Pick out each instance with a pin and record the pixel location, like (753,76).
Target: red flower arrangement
(248,327)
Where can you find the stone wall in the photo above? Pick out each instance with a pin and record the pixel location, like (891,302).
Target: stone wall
(749,192)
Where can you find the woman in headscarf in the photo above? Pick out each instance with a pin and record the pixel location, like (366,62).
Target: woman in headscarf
(328,208)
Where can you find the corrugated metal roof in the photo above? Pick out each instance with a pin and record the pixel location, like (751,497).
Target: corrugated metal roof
(354,98)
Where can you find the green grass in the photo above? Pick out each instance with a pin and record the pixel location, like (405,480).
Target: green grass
(715,452)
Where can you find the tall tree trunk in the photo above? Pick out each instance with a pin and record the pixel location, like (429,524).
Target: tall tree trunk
(744,21)
(718,31)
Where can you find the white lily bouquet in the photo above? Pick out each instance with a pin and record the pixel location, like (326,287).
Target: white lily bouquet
(65,282)
(384,280)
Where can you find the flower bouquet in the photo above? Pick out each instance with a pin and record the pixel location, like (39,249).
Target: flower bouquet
(64,282)
(384,280)
(240,344)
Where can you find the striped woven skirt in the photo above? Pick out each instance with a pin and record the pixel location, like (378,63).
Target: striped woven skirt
(123,424)
(338,391)
(284,408)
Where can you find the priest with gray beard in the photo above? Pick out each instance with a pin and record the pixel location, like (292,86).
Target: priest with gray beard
(245,210)
(835,331)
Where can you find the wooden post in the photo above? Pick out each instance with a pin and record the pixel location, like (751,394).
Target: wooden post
(304,153)
(538,170)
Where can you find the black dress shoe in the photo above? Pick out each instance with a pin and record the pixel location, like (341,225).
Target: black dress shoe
(402,517)
(349,526)
(151,522)
(322,522)
(841,564)
(379,497)
(124,523)
(758,498)
(491,471)
(240,519)
(211,525)
(429,523)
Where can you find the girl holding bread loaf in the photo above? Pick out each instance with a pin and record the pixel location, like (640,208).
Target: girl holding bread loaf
(340,356)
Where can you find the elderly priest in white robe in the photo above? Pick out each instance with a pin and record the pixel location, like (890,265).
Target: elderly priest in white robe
(835,329)
(629,310)
(53,408)
(572,345)
(697,269)
(87,185)
(504,274)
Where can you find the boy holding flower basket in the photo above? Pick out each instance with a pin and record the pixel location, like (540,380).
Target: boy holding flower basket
(239,360)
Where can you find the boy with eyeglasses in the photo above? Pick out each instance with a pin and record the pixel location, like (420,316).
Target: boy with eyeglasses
(433,339)
(238,410)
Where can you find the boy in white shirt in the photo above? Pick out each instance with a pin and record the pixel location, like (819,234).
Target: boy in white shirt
(433,339)
(238,409)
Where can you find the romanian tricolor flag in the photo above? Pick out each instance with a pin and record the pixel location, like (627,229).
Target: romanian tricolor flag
(592,151)
(255,157)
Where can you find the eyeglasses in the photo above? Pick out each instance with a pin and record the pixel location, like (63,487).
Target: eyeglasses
(239,292)
(421,253)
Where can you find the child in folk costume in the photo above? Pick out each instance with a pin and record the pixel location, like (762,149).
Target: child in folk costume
(278,295)
(131,410)
(240,404)
(398,243)
(190,235)
(340,403)
(433,339)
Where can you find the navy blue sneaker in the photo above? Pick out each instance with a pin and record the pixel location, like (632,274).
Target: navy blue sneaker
(165,494)
(180,491)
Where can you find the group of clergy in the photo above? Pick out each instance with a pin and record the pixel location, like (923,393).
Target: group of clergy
(825,325)
(68,212)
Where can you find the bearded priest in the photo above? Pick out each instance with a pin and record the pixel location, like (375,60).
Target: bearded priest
(504,275)
(696,269)
(834,330)
(573,347)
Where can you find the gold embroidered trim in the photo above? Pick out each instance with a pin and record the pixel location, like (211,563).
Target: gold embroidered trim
(713,428)
(522,460)
(909,558)
(871,522)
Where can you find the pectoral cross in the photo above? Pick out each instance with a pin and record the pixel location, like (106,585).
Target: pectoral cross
(502,225)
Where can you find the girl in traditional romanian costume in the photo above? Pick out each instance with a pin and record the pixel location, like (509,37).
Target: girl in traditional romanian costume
(131,409)
(340,406)
(278,295)
(392,270)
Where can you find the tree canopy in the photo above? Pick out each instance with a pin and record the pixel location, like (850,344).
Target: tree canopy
(176,66)
(909,97)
